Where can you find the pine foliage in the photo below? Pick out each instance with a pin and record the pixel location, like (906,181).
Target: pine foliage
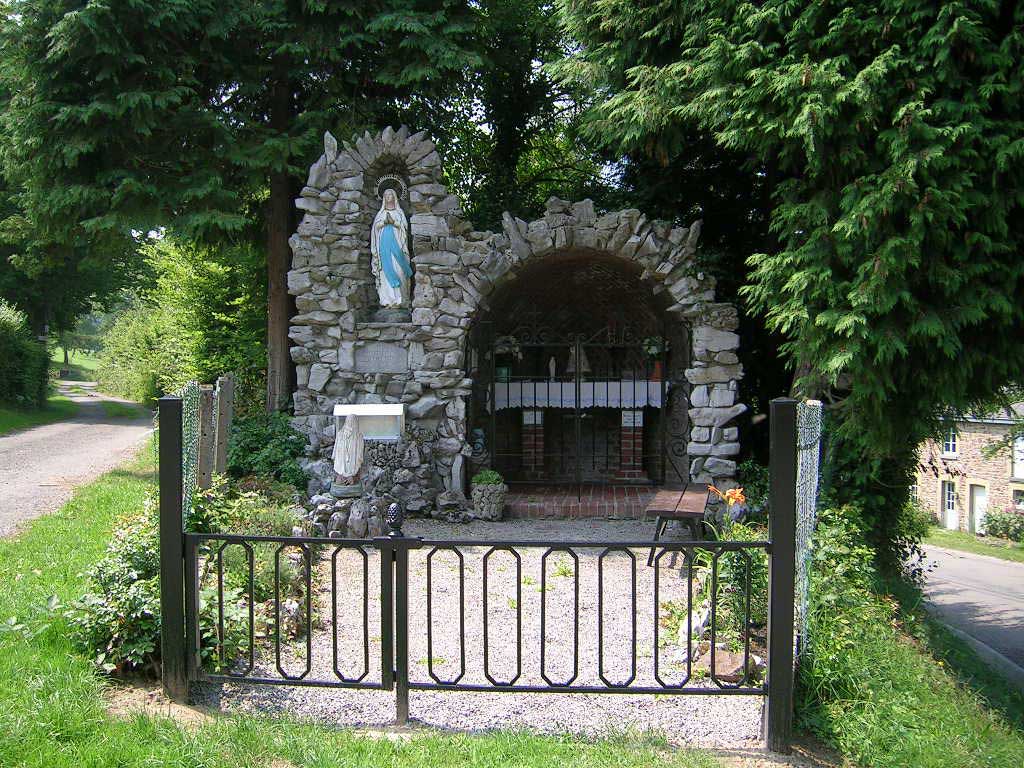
(892,134)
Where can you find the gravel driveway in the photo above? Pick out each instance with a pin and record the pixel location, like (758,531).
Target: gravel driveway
(41,466)
(685,719)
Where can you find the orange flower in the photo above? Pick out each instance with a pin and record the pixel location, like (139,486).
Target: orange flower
(730,497)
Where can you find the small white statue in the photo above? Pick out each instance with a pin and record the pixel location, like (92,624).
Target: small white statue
(389,245)
(348,448)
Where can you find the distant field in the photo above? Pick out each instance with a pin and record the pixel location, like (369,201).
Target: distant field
(57,408)
(83,365)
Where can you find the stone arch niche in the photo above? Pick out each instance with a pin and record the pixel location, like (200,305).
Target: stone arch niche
(347,351)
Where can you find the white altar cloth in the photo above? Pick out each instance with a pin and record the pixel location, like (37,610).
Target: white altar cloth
(562,394)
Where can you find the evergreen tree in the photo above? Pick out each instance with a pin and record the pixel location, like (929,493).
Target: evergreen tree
(891,138)
(507,131)
(203,114)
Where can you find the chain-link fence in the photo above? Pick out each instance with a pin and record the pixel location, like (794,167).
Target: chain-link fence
(189,394)
(809,425)
(206,417)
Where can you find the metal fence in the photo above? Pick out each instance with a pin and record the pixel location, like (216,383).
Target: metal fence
(504,642)
(809,430)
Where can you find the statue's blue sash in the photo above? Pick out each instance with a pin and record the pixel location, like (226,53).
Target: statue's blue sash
(391,254)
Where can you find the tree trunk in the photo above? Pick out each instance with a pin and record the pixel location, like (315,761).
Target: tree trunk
(279,226)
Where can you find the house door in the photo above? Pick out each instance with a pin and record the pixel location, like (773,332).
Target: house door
(979,504)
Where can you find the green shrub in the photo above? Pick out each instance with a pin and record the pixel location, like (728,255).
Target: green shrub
(487,477)
(267,445)
(732,576)
(753,478)
(243,507)
(865,687)
(118,623)
(1005,524)
(136,350)
(24,362)
(204,315)
(908,529)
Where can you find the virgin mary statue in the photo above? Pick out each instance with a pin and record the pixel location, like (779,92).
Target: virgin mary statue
(389,245)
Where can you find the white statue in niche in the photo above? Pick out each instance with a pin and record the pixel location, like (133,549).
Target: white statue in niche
(389,246)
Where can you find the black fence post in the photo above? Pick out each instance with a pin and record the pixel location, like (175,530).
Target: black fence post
(778,712)
(401,632)
(174,670)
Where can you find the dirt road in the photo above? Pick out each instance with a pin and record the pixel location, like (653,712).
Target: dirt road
(41,466)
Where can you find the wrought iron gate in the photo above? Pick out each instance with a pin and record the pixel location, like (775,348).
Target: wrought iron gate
(186,653)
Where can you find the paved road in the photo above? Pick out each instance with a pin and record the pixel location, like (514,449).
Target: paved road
(981,596)
(40,467)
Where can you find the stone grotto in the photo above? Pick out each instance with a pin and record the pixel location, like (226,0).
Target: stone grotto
(584,347)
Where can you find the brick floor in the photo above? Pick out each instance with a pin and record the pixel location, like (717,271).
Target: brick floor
(576,501)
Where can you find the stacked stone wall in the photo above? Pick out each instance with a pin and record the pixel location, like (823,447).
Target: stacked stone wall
(347,351)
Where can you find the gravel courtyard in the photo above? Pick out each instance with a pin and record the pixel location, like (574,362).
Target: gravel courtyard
(685,719)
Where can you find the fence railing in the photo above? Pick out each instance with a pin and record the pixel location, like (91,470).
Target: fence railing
(516,616)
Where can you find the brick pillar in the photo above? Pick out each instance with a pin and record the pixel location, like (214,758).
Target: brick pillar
(631,446)
(533,443)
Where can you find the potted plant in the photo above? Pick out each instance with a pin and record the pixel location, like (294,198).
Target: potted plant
(655,347)
(489,492)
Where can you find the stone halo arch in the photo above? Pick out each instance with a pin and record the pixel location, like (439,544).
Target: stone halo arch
(457,269)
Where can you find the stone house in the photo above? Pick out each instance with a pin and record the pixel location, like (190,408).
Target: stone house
(585,347)
(958,481)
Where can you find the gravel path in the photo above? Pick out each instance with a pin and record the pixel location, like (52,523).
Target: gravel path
(41,466)
(685,719)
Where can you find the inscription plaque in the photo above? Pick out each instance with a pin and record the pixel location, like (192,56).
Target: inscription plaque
(632,418)
(382,357)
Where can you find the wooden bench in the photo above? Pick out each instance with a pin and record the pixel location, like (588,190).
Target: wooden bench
(686,505)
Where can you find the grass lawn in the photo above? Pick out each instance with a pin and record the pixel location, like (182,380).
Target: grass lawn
(958,659)
(53,714)
(57,408)
(979,545)
(115,410)
(83,365)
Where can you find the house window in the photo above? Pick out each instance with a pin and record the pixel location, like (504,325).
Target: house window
(1018,500)
(914,492)
(949,442)
(1018,457)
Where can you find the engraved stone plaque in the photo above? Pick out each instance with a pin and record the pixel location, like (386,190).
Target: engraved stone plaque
(382,357)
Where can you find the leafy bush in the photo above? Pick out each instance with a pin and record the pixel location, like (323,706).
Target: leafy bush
(1005,524)
(118,622)
(24,362)
(203,316)
(864,687)
(732,576)
(908,528)
(135,351)
(487,477)
(753,478)
(267,445)
(244,507)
